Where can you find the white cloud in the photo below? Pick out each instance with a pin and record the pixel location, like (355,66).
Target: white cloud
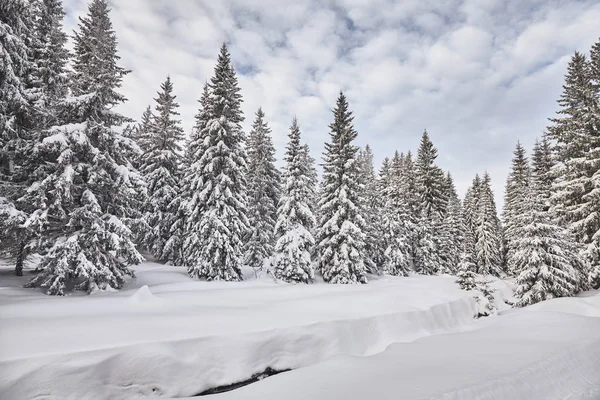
(478,74)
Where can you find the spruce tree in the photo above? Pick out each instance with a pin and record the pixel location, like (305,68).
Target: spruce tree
(541,166)
(470,212)
(371,211)
(576,133)
(546,256)
(192,206)
(432,203)
(294,216)
(85,200)
(488,231)
(17,126)
(264,189)
(398,225)
(466,273)
(515,202)
(51,57)
(161,168)
(341,226)
(221,222)
(430,181)
(308,163)
(451,232)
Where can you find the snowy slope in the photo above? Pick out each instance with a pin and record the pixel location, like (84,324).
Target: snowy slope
(171,335)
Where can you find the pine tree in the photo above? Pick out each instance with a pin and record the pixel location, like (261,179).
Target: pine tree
(546,256)
(264,189)
(85,200)
(515,202)
(51,57)
(161,168)
(451,233)
(432,203)
(470,212)
(430,181)
(17,126)
(294,216)
(466,268)
(192,206)
(341,225)
(221,222)
(398,225)
(308,163)
(488,232)
(541,167)
(371,211)
(576,132)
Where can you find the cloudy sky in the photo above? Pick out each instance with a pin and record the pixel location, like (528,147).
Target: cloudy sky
(477,74)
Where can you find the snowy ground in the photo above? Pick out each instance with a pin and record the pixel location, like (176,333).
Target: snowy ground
(167,336)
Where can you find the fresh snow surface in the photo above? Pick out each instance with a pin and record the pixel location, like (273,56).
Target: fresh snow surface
(165,335)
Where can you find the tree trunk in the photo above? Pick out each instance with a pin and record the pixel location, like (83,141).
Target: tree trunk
(20,259)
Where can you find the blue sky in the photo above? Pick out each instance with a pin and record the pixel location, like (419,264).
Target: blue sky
(477,74)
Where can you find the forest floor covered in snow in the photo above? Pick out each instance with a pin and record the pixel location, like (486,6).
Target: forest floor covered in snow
(165,335)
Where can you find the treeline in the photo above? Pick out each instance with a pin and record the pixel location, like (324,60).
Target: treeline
(86,189)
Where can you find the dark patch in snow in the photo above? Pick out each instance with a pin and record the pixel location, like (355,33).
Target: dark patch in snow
(254,378)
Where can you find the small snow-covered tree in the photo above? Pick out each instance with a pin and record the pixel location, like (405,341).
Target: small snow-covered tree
(264,188)
(89,193)
(340,242)
(488,232)
(161,168)
(308,163)
(515,202)
(220,222)
(294,216)
(466,274)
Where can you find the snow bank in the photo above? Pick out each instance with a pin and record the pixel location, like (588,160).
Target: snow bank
(176,337)
(525,355)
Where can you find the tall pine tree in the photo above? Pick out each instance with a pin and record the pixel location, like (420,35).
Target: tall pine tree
(341,225)
(221,222)
(294,216)
(161,168)
(264,189)
(515,202)
(90,194)
(371,210)
(488,245)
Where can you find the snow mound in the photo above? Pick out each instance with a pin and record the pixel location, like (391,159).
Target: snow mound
(143,295)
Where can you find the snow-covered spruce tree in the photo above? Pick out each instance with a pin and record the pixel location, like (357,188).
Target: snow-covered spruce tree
(576,132)
(470,211)
(451,232)
(220,187)
(515,202)
(308,163)
(264,189)
(541,166)
(546,256)
(488,245)
(17,124)
(50,77)
(372,206)
(340,242)
(430,183)
(85,199)
(161,168)
(397,222)
(294,217)
(466,268)
(182,245)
